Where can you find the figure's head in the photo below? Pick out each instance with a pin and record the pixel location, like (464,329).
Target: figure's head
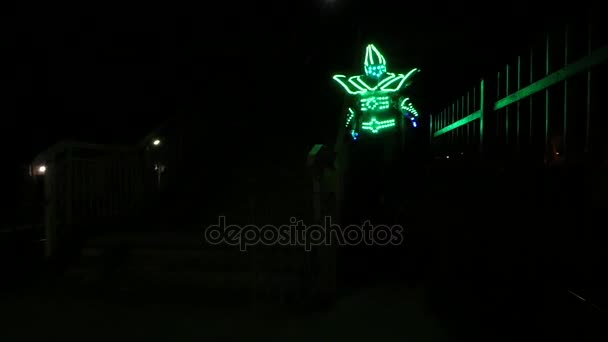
(375,64)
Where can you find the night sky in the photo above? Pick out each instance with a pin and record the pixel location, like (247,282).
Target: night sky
(261,73)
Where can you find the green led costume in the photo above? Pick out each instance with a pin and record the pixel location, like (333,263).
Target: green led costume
(375,95)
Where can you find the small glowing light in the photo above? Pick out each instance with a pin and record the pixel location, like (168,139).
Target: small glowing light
(156,142)
(42,169)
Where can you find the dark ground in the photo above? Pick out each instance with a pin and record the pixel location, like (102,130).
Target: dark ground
(483,260)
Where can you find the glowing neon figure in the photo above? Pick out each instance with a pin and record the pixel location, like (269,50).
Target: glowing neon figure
(376,93)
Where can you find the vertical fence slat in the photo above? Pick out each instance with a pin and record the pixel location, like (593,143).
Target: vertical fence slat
(546,95)
(497,97)
(482,108)
(588,107)
(517,108)
(456,118)
(507,72)
(438,121)
(474,103)
(431,129)
(468,112)
(462,115)
(565,128)
(531,109)
(450,122)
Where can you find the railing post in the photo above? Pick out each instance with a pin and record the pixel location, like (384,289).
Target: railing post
(50,211)
(462,129)
(565,113)
(468,112)
(546,144)
(531,104)
(517,110)
(588,99)
(497,85)
(482,118)
(474,107)
(507,75)
(327,173)
(431,129)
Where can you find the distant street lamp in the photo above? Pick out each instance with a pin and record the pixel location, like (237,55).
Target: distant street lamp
(41,169)
(156,142)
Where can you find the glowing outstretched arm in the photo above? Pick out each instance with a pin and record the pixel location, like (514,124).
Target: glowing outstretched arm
(350,85)
(407,109)
(399,81)
(351,124)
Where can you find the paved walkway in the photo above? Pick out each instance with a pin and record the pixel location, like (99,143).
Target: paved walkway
(382,313)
